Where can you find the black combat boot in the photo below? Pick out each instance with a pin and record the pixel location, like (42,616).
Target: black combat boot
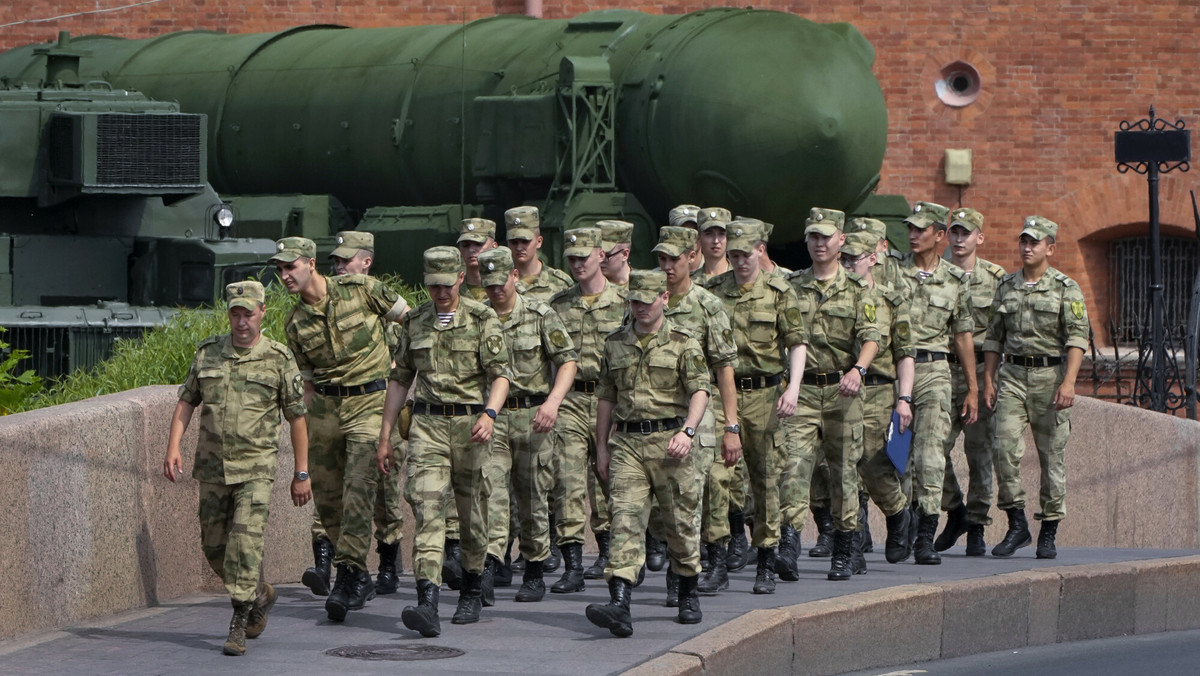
(764,576)
(717,577)
(858,562)
(572,577)
(487,593)
(956,525)
(975,544)
(362,589)
(1045,545)
(452,569)
(824,520)
(656,553)
(898,546)
(688,600)
(317,578)
(785,556)
(839,562)
(503,575)
(1016,537)
(469,602)
(553,561)
(235,644)
(672,589)
(423,617)
(705,564)
(864,518)
(923,551)
(614,615)
(533,588)
(596,570)
(738,554)
(339,597)
(264,600)
(389,567)
(914,518)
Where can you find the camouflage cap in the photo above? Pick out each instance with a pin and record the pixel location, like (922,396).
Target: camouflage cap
(494,265)
(743,235)
(675,241)
(646,285)
(289,249)
(1040,228)
(876,227)
(966,218)
(522,223)
(442,265)
(713,217)
(350,242)
(248,294)
(859,243)
(613,233)
(581,241)
(767,230)
(684,213)
(824,221)
(926,214)
(477,230)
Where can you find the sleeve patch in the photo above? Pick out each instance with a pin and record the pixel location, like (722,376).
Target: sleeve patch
(869,310)
(558,338)
(494,344)
(1077,309)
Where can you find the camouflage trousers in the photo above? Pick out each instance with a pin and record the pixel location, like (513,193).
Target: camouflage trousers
(232,519)
(1025,397)
(704,449)
(522,459)
(931,427)
(576,482)
(441,458)
(828,425)
(640,469)
(389,499)
(879,476)
(977,445)
(761,449)
(342,436)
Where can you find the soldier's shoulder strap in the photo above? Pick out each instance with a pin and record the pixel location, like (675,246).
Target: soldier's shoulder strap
(478,310)
(555,272)
(537,307)
(1062,278)
(208,341)
(779,283)
(992,268)
(857,279)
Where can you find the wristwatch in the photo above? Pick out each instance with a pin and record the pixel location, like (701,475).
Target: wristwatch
(734,428)
(303,476)
(491,413)
(862,370)
(905,398)
(690,431)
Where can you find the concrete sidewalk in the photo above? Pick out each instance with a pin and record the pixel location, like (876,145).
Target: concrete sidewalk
(185,637)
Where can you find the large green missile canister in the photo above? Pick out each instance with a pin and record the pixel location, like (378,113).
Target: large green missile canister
(763,112)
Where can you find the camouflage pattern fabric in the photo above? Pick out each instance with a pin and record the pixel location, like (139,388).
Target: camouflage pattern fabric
(879,475)
(232,520)
(545,284)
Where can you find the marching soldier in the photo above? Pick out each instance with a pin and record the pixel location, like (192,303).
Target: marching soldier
(686,216)
(524,233)
(617,241)
(476,235)
(711,225)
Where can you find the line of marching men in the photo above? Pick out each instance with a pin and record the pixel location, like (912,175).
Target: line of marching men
(667,409)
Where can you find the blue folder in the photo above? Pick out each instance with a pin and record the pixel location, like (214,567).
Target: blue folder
(898,444)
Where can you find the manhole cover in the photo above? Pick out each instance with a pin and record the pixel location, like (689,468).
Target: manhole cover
(394,653)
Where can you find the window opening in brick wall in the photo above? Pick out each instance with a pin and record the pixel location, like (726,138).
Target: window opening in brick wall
(1129,275)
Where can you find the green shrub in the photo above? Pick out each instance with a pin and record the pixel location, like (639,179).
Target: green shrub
(15,389)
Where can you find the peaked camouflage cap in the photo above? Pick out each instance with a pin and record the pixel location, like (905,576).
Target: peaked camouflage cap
(675,241)
(966,218)
(876,227)
(580,242)
(613,232)
(477,230)
(522,223)
(859,243)
(684,213)
(743,235)
(926,214)
(714,217)
(646,285)
(248,294)
(824,221)
(1040,228)
(350,242)
(442,265)
(495,265)
(289,249)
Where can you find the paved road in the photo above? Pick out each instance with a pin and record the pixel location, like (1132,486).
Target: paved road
(185,636)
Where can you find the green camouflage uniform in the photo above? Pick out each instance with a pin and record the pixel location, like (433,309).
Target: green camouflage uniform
(588,324)
(652,383)
(977,437)
(241,392)
(841,315)
(452,366)
(545,284)
(1031,321)
(341,342)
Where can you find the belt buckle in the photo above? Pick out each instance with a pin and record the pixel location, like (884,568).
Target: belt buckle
(646,426)
(746,383)
(1030,362)
(447,410)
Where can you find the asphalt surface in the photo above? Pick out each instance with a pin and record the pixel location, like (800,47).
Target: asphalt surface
(551,637)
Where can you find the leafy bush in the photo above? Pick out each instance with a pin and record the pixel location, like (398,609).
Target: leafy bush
(15,389)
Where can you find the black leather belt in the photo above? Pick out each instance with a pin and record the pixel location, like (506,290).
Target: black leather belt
(876,379)
(757,382)
(351,390)
(585,386)
(925,355)
(1032,362)
(953,357)
(446,410)
(649,426)
(524,402)
(822,379)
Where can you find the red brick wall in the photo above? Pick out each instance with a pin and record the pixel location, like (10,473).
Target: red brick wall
(1058,76)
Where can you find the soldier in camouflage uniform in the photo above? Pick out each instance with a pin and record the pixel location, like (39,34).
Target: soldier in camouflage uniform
(616,238)
(888,259)
(687,216)
(941,319)
(1040,327)
(711,225)
(543,366)
(524,234)
(590,310)
(767,324)
(476,235)
(653,391)
(452,351)
(690,307)
(243,381)
(336,330)
(840,310)
(982,277)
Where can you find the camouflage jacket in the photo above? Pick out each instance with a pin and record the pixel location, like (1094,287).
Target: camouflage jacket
(475,293)
(939,308)
(544,284)
(589,324)
(766,321)
(981,290)
(705,317)
(536,338)
(896,333)
(656,382)
(341,340)
(887,269)
(242,396)
(841,318)
(452,364)
(1040,320)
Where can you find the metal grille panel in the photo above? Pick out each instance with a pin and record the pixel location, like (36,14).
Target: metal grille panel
(1129,261)
(56,351)
(156,150)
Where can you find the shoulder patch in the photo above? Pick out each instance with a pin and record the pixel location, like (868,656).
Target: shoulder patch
(903,331)
(698,362)
(793,317)
(494,344)
(298,384)
(559,339)
(869,311)
(1077,309)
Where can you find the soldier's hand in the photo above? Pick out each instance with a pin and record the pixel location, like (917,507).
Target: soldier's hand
(173,464)
(544,419)
(383,456)
(482,431)
(679,446)
(731,448)
(905,410)
(970,409)
(301,492)
(602,462)
(786,405)
(989,396)
(1064,396)
(850,383)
